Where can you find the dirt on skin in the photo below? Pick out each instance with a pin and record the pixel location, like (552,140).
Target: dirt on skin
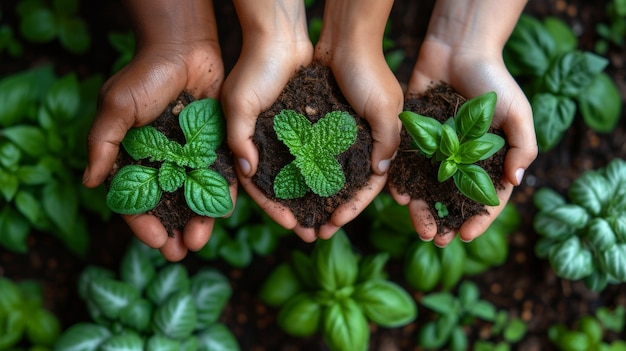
(312,92)
(412,173)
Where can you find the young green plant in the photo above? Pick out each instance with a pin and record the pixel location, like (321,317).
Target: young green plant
(136,188)
(315,147)
(458,144)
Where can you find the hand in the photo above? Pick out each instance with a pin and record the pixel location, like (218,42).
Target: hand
(272,52)
(136,96)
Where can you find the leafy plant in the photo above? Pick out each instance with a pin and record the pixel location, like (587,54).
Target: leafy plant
(586,238)
(8,41)
(42,21)
(336,292)
(23,319)
(315,148)
(136,188)
(458,144)
(453,313)
(426,266)
(152,306)
(613,32)
(558,78)
(124,43)
(42,155)
(247,231)
(588,332)
(442,210)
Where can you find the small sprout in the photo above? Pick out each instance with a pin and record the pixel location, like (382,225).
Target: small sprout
(442,210)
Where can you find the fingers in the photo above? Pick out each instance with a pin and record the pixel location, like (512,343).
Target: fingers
(148,229)
(476,225)
(174,249)
(197,232)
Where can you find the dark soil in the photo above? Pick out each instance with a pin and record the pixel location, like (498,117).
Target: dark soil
(313,93)
(172,209)
(413,174)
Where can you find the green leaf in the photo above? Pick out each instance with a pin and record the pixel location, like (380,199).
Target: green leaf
(128,341)
(335,265)
(137,315)
(11,297)
(170,279)
(336,132)
(447,168)
(600,104)
(134,189)
(530,48)
(572,72)
(210,291)
(474,117)
(29,206)
(39,25)
(452,262)
(217,338)
(385,303)
(300,315)
(62,100)
(290,183)
(9,184)
(20,93)
(207,193)
(196,155)
(30,139)
(570,260)
(293,129)
(458,339)
(344,327)
(515,330)
(545,199)
(202,123)
(33,174)
(176,317)
(422,267)
(323,175)
(614,260)
(592,328)
(564,38)
(425,131)
(89,274)
(304,269)
(443,303)
(158,342)
(490,248)
(371,267)
(600,234)
(148,142)
(262,238)
(482,309)
(10,155)
(82,337)
(480,149)
(111,296)
(14,230)
(42,327)
(475,183)
(171,176)
(12,328)
(591,191)
(60,203)
(74,35)
(552,116)
(449,144)
(279,286)
(136,269)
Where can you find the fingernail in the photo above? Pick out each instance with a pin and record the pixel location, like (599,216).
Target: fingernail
(466,241)
(383,165)
(519,175)
(86,175)
(244,166)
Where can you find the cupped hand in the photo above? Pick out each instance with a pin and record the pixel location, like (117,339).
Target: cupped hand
(473,72)
(136,96)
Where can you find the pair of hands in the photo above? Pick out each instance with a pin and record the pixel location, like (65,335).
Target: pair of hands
(271,52)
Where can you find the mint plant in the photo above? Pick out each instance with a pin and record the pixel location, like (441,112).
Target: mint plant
(586,237)
(337,293)
(315,148)
(24,321)
(458,144)
(151,306)
(558,78)
(136,188)
(42,156)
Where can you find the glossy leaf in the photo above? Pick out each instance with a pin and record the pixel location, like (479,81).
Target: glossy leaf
(447,168)
(62,100)
(30,139)
(236,252)
(443,303)
(111,296)
(147,142)
(591,190)
(600,104)
(474,117)
(335,264)
(480,149)
(552,115)
(202,123)
(372,267)
(546,199)
(449,144)
(564,38)
(42,327)
(572,72)
(279,286)
(158,342)
(14,230)
(300,315)
(136,269)
(170,279)
(210,291)
(293,129)
(385,303)
(600,235)
(176,317)
(530,48)
(476,184)
(422,267)
(82,337)
(128,341)
(133,190)
(452,261)
(217,337)
(615,262)
(570,260)
(344,327)
(207,193)
(425,131)
(137,315)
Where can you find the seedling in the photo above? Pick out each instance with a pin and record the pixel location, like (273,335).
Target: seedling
(442,210)
(136,188)
(315,147)
(458,143)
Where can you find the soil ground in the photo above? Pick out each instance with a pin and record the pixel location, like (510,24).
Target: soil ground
(524,285)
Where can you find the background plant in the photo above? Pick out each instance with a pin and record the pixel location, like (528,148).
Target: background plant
(613,32)
(586,237)
(42,156)
(588,332)
(559,79)
(151,306)
(136,188)
(23,319)
(455,312)
(124,43)
(9,43)
(336,292)
(246,232)
(315,148)
(458,144)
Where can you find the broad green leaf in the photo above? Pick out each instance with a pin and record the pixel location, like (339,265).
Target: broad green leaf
(615,174)
(74,35)
(570,260)
(176,317)
(196,155)
(10,155)
(480,149)
(210,291)
(490,248)
(385,303)
(170,279)
(293,129)
(9,183)
(600,234)
(148,142)
(171,176)
(618,225)
(335,132)
(33,174)
(344,327)
(335,264)
(552,115)
(20,92)
(452,262)
(564,38)
(217,337)
(127,341)
(28,206)
(63,99)
(89,274)
(443,303)
(300,315)
(304,269)
(136,269)
(600,104)
(190,344)
(14,230)
(39,25)
(574,216)
(261,238)
(219,236)
(371,267)
(11,297)
(615,262)
(449,144)
(431,338)
(11,328)
(572,72)
(158,342)
(592,328)
(515,330)
(111,296)
(207,193)
(137,315)
(279,286)
(323,175)
(458,339)
(530,48)
(133,190)
(202,123)
(545,199)
(597,280)
(468,293)
(591,191)
(447,168)
(82,337)
(42,327)
(474,117)
(30,139)
(60,203)
(482,309)
(475,183)
(422,267)
(290,183)
(425,131)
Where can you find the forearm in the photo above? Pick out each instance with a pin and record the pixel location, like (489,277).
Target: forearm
(166,21)
(480,24)
(278,20)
